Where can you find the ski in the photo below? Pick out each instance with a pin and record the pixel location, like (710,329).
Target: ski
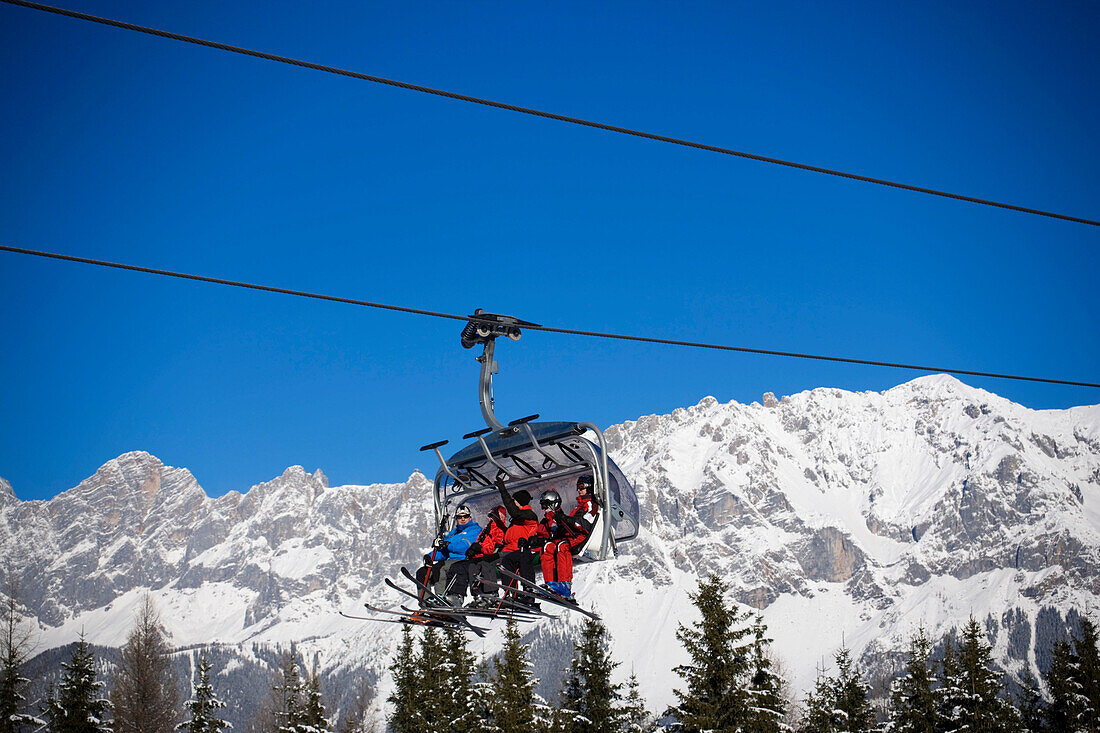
(542,594)
(485,613)
(429,594)
(406,621)
(427,619)
(518,605)
(418,599)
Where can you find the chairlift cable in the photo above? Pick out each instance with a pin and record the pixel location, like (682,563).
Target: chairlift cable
(542,113)
(534,327)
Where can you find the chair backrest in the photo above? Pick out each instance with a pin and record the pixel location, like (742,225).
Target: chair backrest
(590,550)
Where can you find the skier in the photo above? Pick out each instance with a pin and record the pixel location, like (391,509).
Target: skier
(481,560)
(447,551)
(520,535)
(565,534)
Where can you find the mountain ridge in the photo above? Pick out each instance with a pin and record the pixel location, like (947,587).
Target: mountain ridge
(840,516)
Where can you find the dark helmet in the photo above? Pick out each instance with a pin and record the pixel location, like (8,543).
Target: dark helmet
(522,497)
(550,500)
(584,483)
(463,511)
(498,513)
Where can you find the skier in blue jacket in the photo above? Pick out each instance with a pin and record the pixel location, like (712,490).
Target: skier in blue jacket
(449,550)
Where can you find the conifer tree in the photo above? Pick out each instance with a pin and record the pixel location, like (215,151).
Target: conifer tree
(839,703)
(78,706)
(853,708)
(820,705)
(1086,655)
(433,706)
(513,688)
(767,707)
(405,697)
(482,701)
(715,698)
(289,712)
(974,696)
(912,698)
(460,708)
(634,717)
(313,706)
(355,720)
(204,705)
(588,691)
(146,693)
(1030,706)
(15,645)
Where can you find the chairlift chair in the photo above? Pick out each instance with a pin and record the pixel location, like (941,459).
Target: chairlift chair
(536,456)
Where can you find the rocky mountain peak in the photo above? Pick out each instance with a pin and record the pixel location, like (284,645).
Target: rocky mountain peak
(7,493)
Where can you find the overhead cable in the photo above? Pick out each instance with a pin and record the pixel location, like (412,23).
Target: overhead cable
(532,327)
(541,113)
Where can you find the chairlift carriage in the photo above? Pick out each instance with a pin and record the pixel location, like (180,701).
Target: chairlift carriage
(536,456)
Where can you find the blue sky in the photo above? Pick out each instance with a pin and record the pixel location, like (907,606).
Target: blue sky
(121,146)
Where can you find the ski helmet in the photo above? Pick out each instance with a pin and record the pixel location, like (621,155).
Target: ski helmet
(550,500)
(463,511)
(498,513)
(584,483)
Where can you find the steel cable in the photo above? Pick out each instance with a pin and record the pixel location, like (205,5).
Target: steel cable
(532,327)
(541,113)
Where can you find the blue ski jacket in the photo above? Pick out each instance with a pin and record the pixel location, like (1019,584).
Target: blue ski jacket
(457,541)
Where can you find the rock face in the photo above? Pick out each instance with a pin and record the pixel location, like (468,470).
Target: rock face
(843,517)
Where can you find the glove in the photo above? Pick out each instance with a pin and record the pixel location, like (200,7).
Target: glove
(428,559)
(499,483)
(522,543)
(472,552)
(438,544)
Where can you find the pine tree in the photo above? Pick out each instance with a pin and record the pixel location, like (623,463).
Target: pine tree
(839,704)
(78,706)
(912,697)
(460,708)
(820,705)
(1030,706)
(405,697)
(950,696)
(588,691)
(1086,657)
(513,688)
(313,707)
(767,707)
(355,720)
(289,712)
(976,689)
(146,693)
(716,698)
(433,706)
(850,696)
(204,704)
(633,715)
(15,647)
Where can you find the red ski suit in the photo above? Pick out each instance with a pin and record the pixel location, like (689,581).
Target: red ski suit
(565,534)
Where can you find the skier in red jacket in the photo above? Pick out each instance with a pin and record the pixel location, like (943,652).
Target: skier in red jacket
(565,534)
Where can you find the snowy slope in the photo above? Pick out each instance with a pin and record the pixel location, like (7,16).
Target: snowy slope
(843,517)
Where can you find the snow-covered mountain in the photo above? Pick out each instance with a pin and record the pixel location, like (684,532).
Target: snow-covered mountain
(845,518)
